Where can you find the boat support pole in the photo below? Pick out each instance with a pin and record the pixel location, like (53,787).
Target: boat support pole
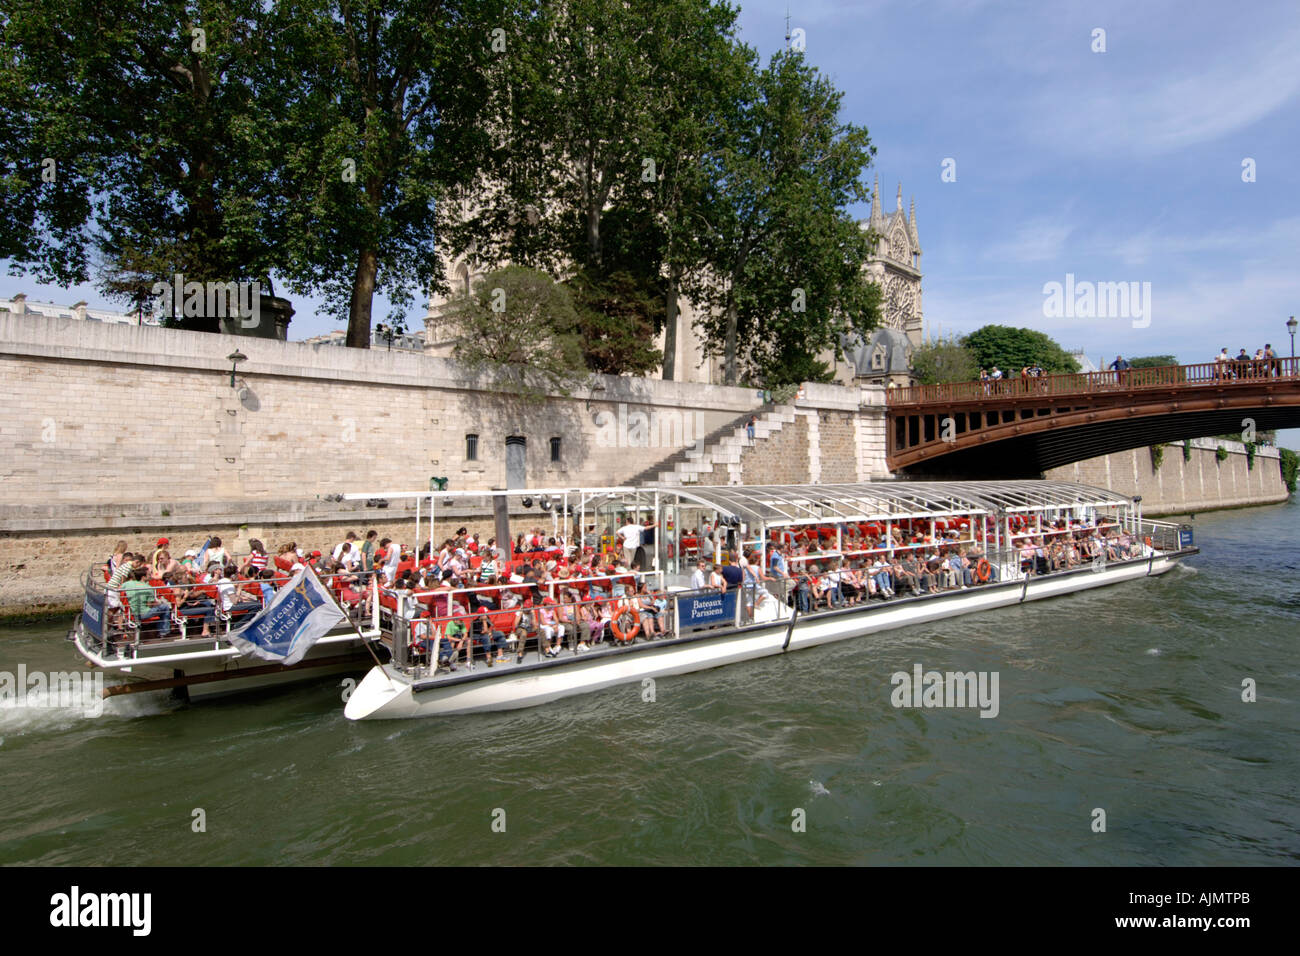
(789,631)
(1024,590)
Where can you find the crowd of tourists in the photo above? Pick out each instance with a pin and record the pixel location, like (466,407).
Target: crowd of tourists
(473,598)
(1265,363)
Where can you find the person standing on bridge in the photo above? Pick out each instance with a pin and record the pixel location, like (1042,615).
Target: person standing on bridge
(1223,364)
(1119,367)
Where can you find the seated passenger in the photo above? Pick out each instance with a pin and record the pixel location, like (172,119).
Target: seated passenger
(550,628)
(504,625)
(152,616)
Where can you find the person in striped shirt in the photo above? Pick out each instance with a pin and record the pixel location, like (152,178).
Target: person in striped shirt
(119,577)
(257,561)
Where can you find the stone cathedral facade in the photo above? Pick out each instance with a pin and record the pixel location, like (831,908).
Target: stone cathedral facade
(895,265)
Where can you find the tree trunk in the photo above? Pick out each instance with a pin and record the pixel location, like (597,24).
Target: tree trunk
(670,326)
(363,294)
(729,346)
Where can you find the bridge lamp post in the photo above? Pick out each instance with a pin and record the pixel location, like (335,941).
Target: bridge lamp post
(1290,327)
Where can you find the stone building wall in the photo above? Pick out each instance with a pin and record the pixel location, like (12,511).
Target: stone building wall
(119,414)
(781,459)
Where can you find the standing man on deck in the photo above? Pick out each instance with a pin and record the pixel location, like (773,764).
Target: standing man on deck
(1119,367)
(631,535)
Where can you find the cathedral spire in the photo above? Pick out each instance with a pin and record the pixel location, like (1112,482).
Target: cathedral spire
(877,216)
(898,206)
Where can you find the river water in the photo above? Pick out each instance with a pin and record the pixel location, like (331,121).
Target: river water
(1127,700)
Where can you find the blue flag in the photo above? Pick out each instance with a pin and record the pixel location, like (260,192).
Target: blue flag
(300,614)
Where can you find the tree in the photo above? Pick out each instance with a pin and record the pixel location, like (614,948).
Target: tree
(1152,361)
(616,320)
(385,125)
(521,327)
(787,256)
(944,362)
(599,122)
(144,117)
(1012,349)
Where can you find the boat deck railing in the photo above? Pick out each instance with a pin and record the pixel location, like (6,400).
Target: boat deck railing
(418,643)
(176,627)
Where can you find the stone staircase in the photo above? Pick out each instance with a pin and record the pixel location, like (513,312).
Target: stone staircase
(720,449)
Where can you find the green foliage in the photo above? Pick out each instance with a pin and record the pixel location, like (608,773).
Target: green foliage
(1187,449)
(1221,453)
(944,362)
(1012,349)
(787,254)
(1290,463)
(1152,361)
(521,327)
(152,141)
(1157,456)
(616,320)
(1250,455)
(784,393)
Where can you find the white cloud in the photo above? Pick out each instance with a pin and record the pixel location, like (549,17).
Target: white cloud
(1152,112)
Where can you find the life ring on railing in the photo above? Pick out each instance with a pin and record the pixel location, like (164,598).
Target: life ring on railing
(1147,542)
(983,570)
(626,634)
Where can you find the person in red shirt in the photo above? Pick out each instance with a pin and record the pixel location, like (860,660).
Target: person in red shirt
(502,624)
(286,558)
(405,566)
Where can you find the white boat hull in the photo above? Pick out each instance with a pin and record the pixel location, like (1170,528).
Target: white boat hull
(386,693)
(217,671)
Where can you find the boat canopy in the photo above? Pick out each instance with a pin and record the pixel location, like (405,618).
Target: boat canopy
(778,505)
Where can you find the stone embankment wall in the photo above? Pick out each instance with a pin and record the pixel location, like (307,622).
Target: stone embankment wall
(1202,483)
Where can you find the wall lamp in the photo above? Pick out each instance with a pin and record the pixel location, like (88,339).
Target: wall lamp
(598,387)
(234,358)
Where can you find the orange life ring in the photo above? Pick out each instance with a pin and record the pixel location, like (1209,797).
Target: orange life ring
(625,635)
(983,570)
(1147,542)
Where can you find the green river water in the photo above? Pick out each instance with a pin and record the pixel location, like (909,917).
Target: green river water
(1127,699)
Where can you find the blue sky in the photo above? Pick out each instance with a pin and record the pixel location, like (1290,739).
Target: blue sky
(1122,166)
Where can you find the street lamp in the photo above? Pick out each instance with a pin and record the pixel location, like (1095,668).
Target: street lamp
(234,358)
(1290,327)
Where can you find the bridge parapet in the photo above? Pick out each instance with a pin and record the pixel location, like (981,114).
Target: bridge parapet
(1021,427)
(1214,374)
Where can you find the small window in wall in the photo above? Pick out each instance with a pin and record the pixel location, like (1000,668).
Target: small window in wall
(555,450)
(471,448)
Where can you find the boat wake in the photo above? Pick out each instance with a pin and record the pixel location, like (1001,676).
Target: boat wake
(39,710)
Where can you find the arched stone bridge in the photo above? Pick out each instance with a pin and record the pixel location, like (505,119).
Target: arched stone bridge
(1022,427)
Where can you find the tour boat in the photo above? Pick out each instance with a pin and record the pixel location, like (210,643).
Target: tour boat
(189,666)
(713,627)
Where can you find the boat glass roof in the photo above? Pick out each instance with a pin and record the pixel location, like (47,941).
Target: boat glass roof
(807,504)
